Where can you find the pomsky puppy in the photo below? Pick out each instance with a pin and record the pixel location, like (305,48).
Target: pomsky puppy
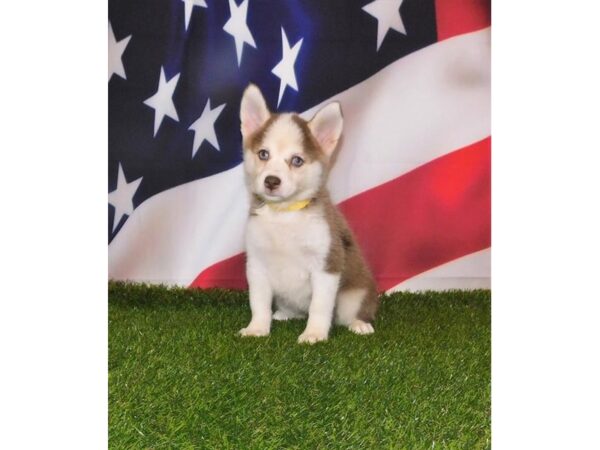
(300,251)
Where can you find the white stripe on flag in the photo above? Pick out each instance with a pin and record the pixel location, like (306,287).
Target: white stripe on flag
(469,272)
(172,235)
(421,107)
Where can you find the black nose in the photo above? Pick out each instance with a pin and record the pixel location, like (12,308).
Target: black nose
(272,182)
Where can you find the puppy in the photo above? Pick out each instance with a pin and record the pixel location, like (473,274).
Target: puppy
(300,251)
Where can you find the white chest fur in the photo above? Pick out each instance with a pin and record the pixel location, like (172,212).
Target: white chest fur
(288,246)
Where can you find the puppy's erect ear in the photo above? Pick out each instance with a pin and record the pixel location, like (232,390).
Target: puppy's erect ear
(326,126)
(253,110)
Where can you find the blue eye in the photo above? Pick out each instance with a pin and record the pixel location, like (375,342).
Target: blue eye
(297,161)
(263,154)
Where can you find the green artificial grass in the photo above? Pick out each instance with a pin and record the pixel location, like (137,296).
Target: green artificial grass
(181,378)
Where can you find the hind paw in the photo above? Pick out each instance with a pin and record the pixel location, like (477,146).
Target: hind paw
(281,315)
(361,327)
(286,315)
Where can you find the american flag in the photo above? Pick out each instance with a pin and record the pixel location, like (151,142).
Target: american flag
(413,171)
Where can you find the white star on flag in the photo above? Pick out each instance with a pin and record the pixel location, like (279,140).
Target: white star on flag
(387,13)
(122,197)
(285,69)
(204,127)
(189,5)
(115,54)
(162,100)
(238,28)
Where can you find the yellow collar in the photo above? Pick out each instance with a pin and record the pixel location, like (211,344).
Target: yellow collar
(294,206)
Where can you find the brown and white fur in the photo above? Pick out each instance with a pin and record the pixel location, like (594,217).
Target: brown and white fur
(306,261)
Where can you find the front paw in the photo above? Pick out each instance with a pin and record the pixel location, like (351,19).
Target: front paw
(312,336)
(255,331)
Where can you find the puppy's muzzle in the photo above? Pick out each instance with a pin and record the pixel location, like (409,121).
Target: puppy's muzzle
(272,182)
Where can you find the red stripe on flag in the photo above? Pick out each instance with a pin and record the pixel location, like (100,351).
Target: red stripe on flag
(430,216)
(229,273)
(454,17)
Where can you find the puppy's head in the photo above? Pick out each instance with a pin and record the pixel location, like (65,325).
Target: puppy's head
(285,157)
